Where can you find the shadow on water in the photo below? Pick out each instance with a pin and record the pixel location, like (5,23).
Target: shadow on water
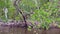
(15,30)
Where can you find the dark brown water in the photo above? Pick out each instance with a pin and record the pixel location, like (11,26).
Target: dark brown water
(15,30)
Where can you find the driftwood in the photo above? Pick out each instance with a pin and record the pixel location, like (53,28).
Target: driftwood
(19,24)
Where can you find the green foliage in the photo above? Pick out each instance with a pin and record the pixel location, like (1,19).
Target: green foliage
(44,11)
(11,9)
(46,14)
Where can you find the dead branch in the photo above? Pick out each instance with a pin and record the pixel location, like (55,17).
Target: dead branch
(16,3)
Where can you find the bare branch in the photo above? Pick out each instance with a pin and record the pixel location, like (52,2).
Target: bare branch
(16,2)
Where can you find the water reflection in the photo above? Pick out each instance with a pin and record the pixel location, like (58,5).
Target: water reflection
(15,30)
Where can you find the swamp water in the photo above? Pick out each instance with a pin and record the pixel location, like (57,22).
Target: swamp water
(15,30)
